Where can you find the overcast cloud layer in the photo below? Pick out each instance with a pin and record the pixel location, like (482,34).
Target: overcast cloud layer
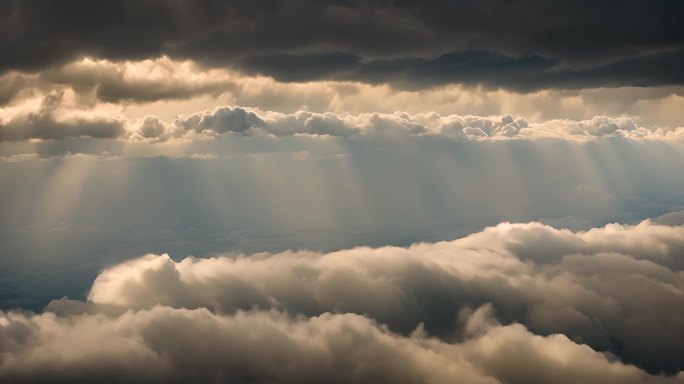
(523,45)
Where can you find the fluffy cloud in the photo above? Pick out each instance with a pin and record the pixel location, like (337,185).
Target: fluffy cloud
(602,287)
(221,120)
(197,346)
(455,127)
(59,114)
(367,315)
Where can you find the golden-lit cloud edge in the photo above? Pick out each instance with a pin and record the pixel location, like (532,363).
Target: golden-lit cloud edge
(58,115)
(99,91)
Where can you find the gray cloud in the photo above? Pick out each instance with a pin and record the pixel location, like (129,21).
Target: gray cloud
(302,200)
(473,68)
(455,127)
(11,85)
(170,88)
(312,317)
(312,123)
(221,120)
(55,120)
(246,121)
(197,346)
(45,124)
(602,287)
(65,217)
(306,67)
(523,37)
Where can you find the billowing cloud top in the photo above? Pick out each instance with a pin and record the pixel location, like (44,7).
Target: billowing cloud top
(514,303)
(55,118)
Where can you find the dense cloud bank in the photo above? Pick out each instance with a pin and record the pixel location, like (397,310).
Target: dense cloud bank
(529,40)
(54,118)
(171,88)
(514,303)
(162,78)
(239,120)
(197,346)
(473,68)
(603,287)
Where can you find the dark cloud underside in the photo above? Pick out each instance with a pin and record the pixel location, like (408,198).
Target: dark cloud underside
(615,42)
(490,69)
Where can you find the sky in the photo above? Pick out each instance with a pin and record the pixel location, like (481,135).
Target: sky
(350,191)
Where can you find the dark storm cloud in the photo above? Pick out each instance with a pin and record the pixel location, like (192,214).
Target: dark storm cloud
(302,67)
(490,69)
(524,37)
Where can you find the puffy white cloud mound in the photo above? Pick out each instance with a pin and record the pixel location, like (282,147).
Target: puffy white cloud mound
(60,114)
(165,344)
(551,306)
